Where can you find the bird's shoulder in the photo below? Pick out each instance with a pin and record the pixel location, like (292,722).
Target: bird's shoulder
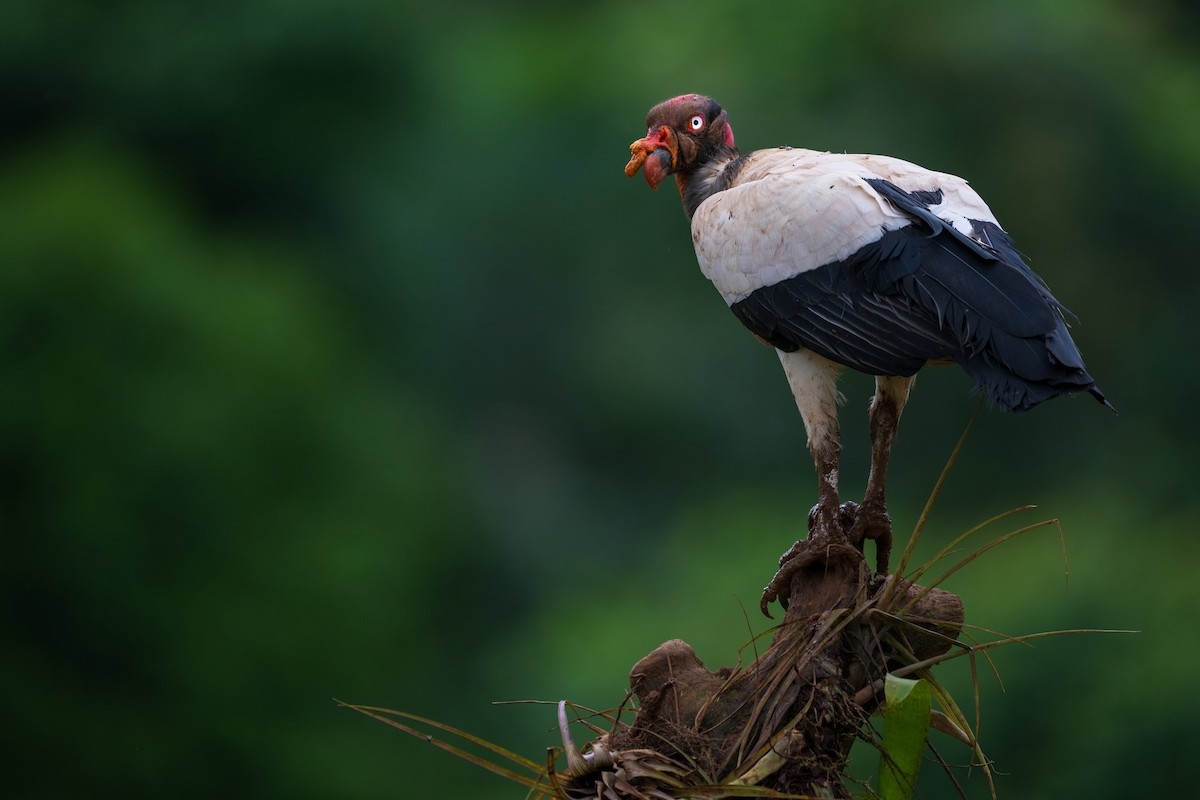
(789,210)
(804,174)
(786,211)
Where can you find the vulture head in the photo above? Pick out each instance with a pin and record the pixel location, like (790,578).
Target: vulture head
(682,134)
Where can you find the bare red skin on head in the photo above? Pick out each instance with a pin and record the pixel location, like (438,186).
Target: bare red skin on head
(656,167)
(655,153)
(658,138)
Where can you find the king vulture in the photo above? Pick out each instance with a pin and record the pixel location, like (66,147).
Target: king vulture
(859,261)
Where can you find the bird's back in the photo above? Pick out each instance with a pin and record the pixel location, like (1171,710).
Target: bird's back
(883,266)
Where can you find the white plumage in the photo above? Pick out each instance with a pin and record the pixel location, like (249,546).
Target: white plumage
(794,210)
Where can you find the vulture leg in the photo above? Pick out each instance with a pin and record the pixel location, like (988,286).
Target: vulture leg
(813,380)
(872,521)
(814,384)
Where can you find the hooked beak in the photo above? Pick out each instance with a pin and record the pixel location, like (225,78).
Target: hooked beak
(655,155)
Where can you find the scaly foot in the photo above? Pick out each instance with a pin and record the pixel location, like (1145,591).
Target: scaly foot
(825,525)
(872,522)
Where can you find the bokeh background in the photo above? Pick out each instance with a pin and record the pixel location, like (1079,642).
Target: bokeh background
(341,360)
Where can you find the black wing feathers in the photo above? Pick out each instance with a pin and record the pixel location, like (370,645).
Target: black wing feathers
(929,292)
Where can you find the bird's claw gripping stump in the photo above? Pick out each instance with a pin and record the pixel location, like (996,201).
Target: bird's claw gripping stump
(844,539)
(873,522)
(804,558)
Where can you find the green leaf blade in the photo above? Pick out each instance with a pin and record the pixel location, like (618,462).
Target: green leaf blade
(905,723)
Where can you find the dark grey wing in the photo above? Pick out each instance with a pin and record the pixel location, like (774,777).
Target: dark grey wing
(928,292)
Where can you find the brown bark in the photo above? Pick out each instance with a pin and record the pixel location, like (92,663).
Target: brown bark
(806,697)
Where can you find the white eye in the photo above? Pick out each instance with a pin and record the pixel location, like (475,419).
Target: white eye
(697,122)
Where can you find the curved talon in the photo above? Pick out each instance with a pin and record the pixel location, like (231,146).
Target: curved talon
(777,588)
(770,595)
(873,522)
(825,529)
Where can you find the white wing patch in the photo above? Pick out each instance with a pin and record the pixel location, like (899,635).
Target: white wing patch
(790,211)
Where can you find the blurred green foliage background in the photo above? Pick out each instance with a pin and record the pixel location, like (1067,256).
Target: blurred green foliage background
(341,360)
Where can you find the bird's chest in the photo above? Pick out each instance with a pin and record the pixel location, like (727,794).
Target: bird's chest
(767,231)
(742,248)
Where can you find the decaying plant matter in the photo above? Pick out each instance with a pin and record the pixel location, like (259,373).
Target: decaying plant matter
(786,721)
(782,726)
